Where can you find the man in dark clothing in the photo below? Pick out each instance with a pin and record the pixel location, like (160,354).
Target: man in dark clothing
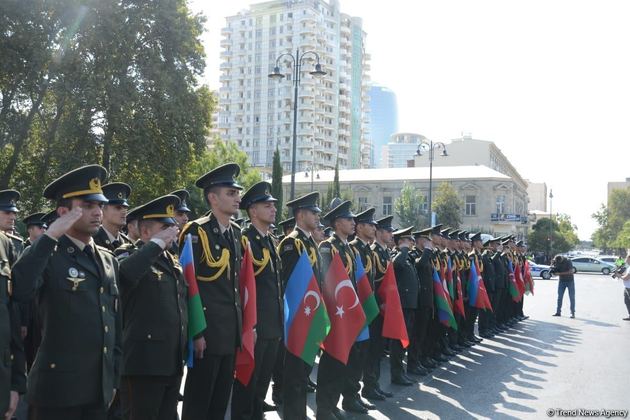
(563,267)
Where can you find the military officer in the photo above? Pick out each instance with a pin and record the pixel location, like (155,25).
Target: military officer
(155,317)
(217,253)
(296,372)
(50,217)
(110,234)
(408,287)
(501,284)
(8,216)
(286,226)
(474,257)
(35,227)
(487,320)
(380,259)
(319,235)
(76,281)
(182,211)
(248,401)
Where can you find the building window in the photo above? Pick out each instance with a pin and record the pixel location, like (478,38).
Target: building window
(387,206)
(500,204)
(471,205)
(363,203)
(424,206)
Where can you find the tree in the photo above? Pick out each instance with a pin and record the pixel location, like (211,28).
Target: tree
(612,219)
(448,206)
(567,230)
(276,184)
(623,237)
(408,207)
(542,231)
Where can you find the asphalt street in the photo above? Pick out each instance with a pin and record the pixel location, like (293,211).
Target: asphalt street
(544,363)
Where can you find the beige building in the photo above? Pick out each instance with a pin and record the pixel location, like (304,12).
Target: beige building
(617,186)
(537,193)
(492,202)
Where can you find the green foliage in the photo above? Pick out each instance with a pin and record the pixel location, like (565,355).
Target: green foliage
(106,82)
(407,207)
(448,206)
(612,220)
(542,231)
(623,237)
(276,184)
(567,230)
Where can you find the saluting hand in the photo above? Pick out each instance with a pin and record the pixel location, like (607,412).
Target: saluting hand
(64,223)
(167,235)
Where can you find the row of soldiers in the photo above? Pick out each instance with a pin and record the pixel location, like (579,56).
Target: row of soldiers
(112,309)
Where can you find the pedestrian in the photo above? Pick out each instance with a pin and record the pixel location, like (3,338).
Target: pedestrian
(625,277)
(155,315)
(563,267)
(217,254)
(76,370)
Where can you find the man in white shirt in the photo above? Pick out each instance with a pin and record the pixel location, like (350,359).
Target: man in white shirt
(626,285)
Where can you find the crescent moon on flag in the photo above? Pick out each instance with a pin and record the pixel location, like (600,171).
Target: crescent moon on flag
(315,295)
(246,297)
(347,283)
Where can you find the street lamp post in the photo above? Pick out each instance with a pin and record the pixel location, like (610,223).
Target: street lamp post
(296,69)
(550,222)
(431,147)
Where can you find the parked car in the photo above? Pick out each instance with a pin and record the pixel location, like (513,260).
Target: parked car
(540,270)
(592,265)
(608,258)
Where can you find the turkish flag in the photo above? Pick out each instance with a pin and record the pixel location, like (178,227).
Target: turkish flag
(393,321)
(347,318)
(245,355)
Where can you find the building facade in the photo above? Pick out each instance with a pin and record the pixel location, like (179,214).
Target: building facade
(400,150)
(617,186)
(537,193)
(492,202)
(256,112)
(383,121)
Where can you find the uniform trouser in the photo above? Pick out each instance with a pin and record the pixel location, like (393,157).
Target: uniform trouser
(471,317)
(485,316)
(330,383)
(247,401)
(626,298)
(278,372)
(208,386)
(398,352)
(419,348)
(96,411)
(295,379)
(434,335)
(372,367)
(520,306)
(499,305)
(149,397)
(354,369)
(460,337)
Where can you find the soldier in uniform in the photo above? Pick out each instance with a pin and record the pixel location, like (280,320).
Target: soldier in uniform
(487,320)
(182,211)
(155,316)
(76,370)
(248,402)
(296,372)
(474,257)
(217,253)
(132,227)
(408,288)
(520,256)
(332,374)
(319,235)
(507,257)
(380,259)
(286,227)
(110,234)
(501,284)
(35,227)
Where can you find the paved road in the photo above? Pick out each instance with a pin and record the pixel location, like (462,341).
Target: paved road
(544,363)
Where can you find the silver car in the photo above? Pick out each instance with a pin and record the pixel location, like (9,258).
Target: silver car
(591,265)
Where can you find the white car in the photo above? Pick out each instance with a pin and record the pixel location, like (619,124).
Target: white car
(540,270)
(592,265)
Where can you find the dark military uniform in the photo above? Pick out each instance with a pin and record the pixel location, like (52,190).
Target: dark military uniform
(248,401)
(117,194)
(408,289)
(155,320)
(296,371)
(501,289)
(101,238)
(471,311)
(487,321)
(217,254)
(77,366)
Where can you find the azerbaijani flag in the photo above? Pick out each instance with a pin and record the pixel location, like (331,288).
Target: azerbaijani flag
(245,363)
(449,279)
(306,322)
(529,281)
(393,321)
(459,302)
(366,297)
(444,311)
(477,294)
(514,292)
(196,317)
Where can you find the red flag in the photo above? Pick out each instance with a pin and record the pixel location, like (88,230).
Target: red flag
(518,277)
(393,322)
(344,310)
(245,355)
(459,302)
(529,281)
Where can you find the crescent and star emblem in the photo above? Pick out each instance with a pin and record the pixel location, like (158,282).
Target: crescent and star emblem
(307,309)
(345,283)
(246,297)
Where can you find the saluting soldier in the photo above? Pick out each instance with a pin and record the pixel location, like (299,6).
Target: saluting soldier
(217,253)
(332,374)
(181,215)
(248,402)
(408,287)
(380,259)
(365,233)
(296,371)
(155,316)
(76,283)
(110,234)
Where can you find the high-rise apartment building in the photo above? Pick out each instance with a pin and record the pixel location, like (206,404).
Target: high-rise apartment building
(256,112)
(383,122)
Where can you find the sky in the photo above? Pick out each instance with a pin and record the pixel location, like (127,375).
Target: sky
(548,81)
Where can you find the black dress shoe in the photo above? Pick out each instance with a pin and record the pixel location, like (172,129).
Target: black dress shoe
(401,380)
(353,406)
(366,404)
(572,315)
(466,344)
(372,394)
(417,370)
(556,314)
(440,358)
(386,394)
(429,363)
(476,339)
(268,407)
(457,347)
(486,334)
(448,353)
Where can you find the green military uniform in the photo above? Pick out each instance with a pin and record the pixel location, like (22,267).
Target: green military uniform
(76,284)
(296,371)
(248,401)
(155,320)
(217,255)
(117,194)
